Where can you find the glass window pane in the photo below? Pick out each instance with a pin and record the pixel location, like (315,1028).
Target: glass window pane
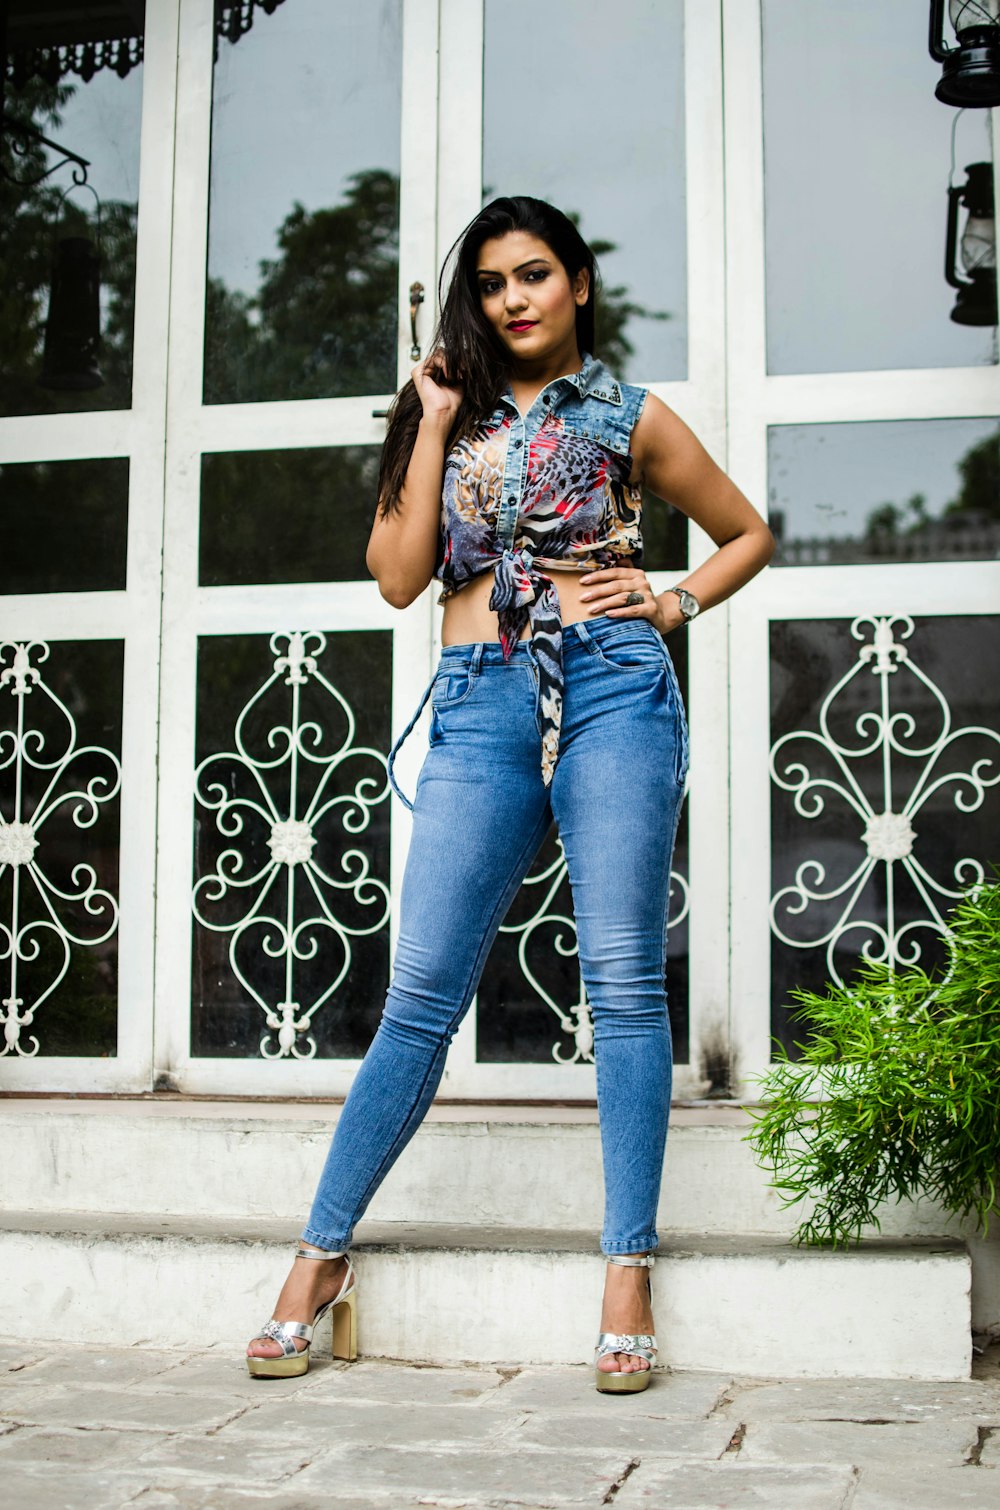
(63,525)
(60,750)
(889,807)
(901,490)
(857,155)
(287,516)
(303,248)
(67,253)
(589,115)
(531,998)
(291,901)
(664,535)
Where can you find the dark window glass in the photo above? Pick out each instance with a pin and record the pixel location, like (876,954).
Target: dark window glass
(515,1023)
(604,96)
(303,248)
(664,535)
(912,804)
(857,158)
(287,516)
(902,490)
(73,74)
(292,813)
(63,525)
(60,748)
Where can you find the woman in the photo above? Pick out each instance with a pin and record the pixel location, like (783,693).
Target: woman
(512,470)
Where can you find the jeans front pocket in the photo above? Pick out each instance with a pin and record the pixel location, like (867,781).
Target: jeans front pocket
(630,646)
(452,686)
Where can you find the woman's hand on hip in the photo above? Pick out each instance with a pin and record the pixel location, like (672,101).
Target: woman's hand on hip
(609,587)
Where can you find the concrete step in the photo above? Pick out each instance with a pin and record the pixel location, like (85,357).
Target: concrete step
(532,1166)
(451,1294)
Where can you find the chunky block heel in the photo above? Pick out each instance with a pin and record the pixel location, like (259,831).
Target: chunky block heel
(342,1311)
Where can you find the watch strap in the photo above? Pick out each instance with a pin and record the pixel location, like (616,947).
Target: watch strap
(683,594)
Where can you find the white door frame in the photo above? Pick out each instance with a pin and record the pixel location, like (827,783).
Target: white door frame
(132,615)
(191,611)
(757,401)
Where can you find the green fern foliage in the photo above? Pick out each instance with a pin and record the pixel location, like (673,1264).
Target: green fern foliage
(897,1092)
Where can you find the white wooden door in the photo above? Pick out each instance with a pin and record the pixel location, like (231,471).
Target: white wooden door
(304,213)
(864,749)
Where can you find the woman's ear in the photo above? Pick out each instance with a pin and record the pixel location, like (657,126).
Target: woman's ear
(581,286)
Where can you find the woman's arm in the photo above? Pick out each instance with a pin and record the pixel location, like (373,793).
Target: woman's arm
(675,465)
(402,547)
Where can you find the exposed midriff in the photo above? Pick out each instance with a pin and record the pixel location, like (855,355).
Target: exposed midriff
(468,618)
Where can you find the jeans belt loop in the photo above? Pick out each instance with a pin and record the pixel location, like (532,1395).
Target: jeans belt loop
(586,638)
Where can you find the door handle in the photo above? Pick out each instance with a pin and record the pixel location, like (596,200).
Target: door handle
(416,299)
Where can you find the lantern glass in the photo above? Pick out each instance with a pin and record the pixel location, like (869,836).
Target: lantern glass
(967,13)
(978,244)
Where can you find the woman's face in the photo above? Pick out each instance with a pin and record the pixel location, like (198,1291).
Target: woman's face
(527,295)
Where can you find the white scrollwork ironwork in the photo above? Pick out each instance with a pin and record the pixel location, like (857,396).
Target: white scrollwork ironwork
(890,825)
(292,872)
(575,1020)
(21,838)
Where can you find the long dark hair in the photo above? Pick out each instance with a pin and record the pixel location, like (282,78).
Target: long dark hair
(475,356)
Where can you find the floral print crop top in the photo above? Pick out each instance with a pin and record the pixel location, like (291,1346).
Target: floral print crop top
(547,489)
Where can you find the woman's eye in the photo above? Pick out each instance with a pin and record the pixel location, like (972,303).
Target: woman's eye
(539,273)
(489,288)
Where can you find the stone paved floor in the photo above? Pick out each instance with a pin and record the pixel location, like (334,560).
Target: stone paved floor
(80,1427)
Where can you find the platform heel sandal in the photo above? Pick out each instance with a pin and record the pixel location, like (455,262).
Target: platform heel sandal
(639,1344)
(294,1361)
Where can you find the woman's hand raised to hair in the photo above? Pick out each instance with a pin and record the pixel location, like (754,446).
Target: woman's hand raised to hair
(439,393)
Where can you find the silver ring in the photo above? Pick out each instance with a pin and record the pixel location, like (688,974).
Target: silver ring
(634,598)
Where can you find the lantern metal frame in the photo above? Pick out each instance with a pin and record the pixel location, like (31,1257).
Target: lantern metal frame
(970,75)
(977,294)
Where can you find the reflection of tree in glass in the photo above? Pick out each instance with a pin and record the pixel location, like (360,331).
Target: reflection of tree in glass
(287,516)
(324,322)
(613,312)
(974,512)
(31,221)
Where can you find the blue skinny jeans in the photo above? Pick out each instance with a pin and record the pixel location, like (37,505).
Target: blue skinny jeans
(480,814)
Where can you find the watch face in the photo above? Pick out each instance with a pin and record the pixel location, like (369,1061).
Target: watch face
(689,604)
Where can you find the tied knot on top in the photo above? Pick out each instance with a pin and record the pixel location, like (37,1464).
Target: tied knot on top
(522,595)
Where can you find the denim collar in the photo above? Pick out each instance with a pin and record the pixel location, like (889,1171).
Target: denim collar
(595,381)
(592,381)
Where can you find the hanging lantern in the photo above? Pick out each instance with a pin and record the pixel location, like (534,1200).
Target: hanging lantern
(977,294)
(73,323)
(971,72)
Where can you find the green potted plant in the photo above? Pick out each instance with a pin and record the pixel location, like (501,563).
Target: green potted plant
(897,1091)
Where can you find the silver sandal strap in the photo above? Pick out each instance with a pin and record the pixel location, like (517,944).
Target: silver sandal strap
(644,1261)
(319,1253)
(282,1333)
(639,1344)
